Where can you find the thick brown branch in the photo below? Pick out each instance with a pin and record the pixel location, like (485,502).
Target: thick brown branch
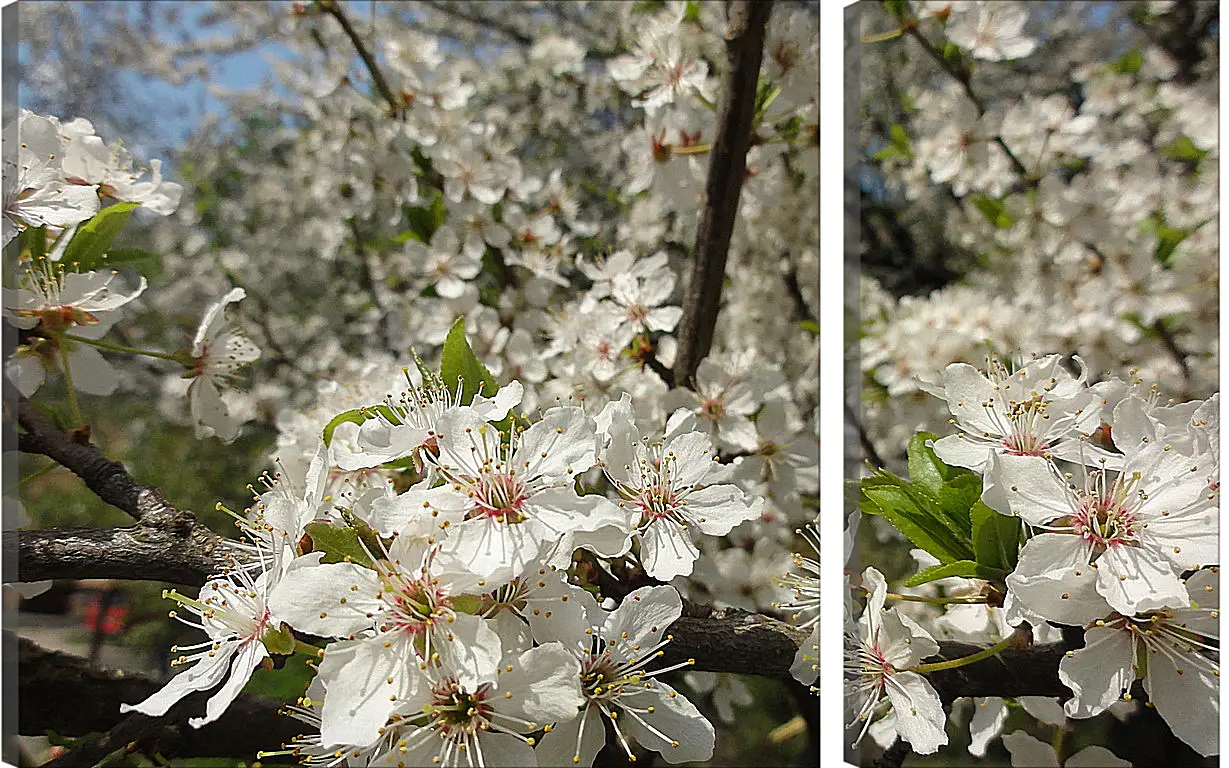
(140,552)
(727,166)
(49,682)
(164,534)
(1029,671)
(733,640)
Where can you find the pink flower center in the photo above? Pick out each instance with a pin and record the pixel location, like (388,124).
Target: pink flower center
(501,496)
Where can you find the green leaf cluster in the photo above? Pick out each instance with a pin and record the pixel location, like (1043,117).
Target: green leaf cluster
(900,148)
(939,509)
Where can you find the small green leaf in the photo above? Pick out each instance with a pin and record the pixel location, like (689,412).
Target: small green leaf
(146,263)
(424,220)
(337,543)
(918,524)
(458,363)
(967,569)
(289,682)
(1128,63)
(996,537)
(995,211)
(94,237)
(809,326)
(467,604)
(354,416)
(1183,148)
(898,8)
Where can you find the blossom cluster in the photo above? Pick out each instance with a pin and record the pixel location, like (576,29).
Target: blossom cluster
(1076,206)
(454,633)
(1118,493)
(353,224)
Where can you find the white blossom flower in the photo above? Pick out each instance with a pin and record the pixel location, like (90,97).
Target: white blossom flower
(878,653)
(1039,409)
(57,301)
(36,193)
(219,350)
(991,31)
(1175,650)
(401,618)
(614,650)
(1123,537)
(411,430)
(234,613)
(520,496)
(455,721)
(1030,752)
(668,486)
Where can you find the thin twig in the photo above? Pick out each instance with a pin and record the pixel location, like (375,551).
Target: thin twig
(727,166)
(333,8)
(962,77)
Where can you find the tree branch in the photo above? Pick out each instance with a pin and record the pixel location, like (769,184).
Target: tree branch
(163,535)
(140,552)
(1031,671)
(733,640)
(333,8)
(47,680)
(727,166)
(107,479)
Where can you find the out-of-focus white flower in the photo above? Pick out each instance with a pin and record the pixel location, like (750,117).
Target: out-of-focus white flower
(991,31)
(57,301)
(219,350)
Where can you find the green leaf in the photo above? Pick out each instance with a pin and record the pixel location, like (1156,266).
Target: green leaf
(996,537)
(467,604)
(94,237)
(899,136)
(921,526)
(898,8)
(995,211)
(354,415)
(957,498)
(146,263)
(34,240)
(691,12)
(1183,148)
(1128,63)
(925,469)
(967,569)
(458,363)
(1167,238)
(765,94)
(337,543)
(809,326)
(289,682)
(424,220)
